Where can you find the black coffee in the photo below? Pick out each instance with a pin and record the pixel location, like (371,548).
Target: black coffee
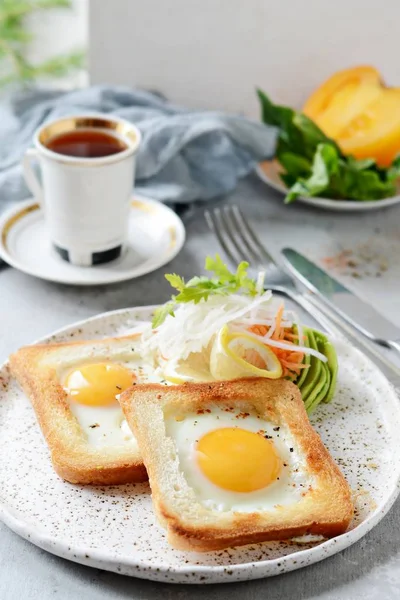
(86,143)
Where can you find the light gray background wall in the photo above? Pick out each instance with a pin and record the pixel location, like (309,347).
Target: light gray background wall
(212,53)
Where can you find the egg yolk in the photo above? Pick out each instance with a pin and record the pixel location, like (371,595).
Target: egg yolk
(238,460)
(97,384)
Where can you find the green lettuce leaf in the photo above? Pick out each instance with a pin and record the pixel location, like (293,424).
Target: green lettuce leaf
(314,164)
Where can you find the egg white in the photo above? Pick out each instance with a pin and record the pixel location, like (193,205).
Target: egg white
(294,480)
(106,425)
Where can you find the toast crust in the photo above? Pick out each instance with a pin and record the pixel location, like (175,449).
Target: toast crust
(326,510)
(36,368)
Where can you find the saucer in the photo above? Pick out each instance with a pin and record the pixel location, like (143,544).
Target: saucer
(156,235)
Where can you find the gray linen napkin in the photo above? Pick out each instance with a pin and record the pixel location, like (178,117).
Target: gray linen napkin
(185,155)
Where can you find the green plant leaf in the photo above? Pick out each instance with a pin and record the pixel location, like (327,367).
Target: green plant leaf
(58,66)
(14,37)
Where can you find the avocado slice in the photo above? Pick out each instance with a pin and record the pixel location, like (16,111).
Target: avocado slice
(306,359)
(317,383)
(311,404)
(329,351)
(317,386)
(319,397)
(313,372)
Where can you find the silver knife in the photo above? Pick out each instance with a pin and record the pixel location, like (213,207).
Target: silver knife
(355,311)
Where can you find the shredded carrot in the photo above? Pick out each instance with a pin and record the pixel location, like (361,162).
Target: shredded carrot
(291,360)
(278,321)
(294,366)
(260,330)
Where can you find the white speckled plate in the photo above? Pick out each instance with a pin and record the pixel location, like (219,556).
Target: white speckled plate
(268,171)
(155,236)
(114,528)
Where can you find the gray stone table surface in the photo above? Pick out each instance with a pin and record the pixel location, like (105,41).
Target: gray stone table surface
(31,308)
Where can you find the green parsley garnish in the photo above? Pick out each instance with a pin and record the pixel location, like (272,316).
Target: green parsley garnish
(222,283)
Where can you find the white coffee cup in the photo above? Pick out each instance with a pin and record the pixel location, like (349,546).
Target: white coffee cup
(85,200)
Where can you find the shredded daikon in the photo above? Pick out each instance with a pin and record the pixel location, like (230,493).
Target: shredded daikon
(194,326)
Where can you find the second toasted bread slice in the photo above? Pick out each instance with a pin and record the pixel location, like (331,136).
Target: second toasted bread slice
(88,437)
(236,462)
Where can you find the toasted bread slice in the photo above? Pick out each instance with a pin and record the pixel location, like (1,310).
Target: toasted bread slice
(39,370)
(322,507)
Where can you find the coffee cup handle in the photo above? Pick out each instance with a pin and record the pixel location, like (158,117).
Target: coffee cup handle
(31,179)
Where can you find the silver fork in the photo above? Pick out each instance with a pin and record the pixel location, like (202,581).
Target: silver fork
(239,242)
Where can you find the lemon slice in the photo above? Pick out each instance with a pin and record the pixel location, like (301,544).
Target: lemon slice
(193,369)
(235,355)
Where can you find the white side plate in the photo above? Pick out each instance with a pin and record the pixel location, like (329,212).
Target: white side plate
(114,528)
(269,170)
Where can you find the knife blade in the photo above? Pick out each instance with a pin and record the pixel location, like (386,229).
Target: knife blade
(350,307)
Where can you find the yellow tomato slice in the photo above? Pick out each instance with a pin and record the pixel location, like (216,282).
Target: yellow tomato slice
(346,104)
(375,133)
(321,98)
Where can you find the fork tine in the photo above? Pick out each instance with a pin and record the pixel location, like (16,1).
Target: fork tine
(241,234)
(266,257)
(213,223)
(234,236)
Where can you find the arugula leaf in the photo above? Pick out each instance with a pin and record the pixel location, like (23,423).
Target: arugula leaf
(197,280)
(200,288)
(218,267)
(176,281)
(243,280)
(314,164)
(162,312)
